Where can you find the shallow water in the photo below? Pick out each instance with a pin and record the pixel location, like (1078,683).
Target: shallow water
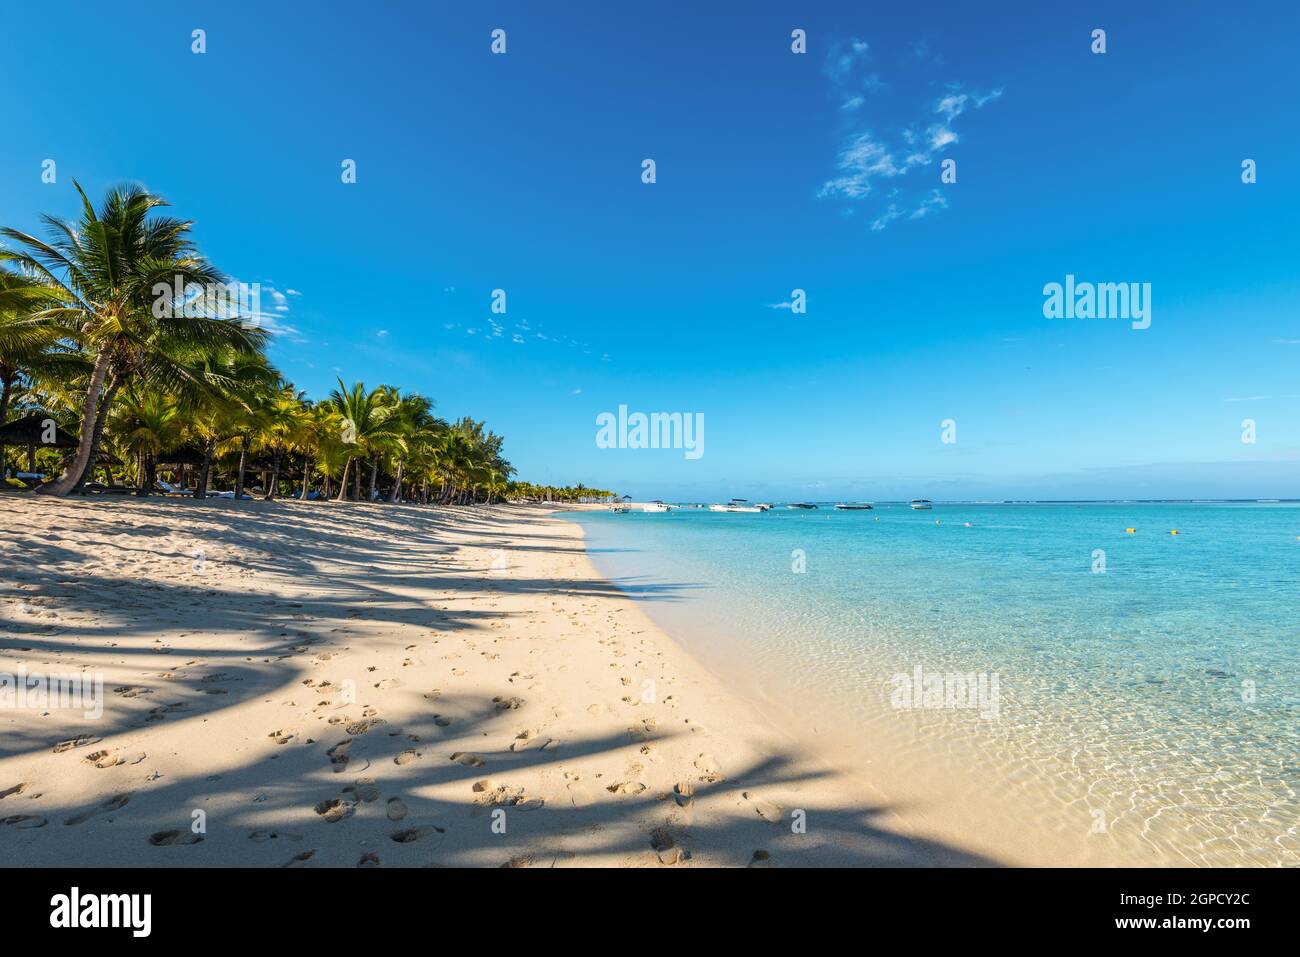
(1147,684)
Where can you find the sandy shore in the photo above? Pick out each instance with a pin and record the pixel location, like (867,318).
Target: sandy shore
(344,685)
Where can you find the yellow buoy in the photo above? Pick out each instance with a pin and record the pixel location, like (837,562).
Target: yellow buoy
(1130,530)
(1173,531)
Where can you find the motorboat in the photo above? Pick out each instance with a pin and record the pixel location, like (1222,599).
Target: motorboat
(733,507)
(655,507)
(920,504)
(620,509)
(763,506)
(855,506)
(801,505)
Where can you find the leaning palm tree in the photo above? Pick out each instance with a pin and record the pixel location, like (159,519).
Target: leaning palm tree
(110,269)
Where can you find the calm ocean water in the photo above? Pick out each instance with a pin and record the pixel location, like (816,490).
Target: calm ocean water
(1148,684)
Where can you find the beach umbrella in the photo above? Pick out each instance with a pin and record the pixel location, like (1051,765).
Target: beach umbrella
(31,432)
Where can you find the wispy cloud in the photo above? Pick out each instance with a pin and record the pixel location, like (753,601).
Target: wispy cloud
(275,321)
(868,157)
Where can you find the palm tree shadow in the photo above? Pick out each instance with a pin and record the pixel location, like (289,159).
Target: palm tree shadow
(454,764)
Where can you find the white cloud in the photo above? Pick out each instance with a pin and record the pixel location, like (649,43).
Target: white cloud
(885,218)
(867,157)
(932,203)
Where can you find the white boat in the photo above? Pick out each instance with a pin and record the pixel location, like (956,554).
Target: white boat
(803,505)
(855,507)
(920,504)
(620,509)
(734,508)
(655,507)
(763,506)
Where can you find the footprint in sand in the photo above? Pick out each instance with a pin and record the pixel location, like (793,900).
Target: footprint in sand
(335,810)
(361,727)
(168,838)
(406,757)
(114,803)
(661,841)
(530,739)
(441,720)
(684,793)
(131,691)
(23,821)
(368,860)
(364,789)
(338,755)
(104,759)
(16,789)
(386,684)
(626,787)
(765,809)
(79,741)
(761,858)
(710,773)
(507,704)
(468,759)
(298,860)
(413,834)
(396,809)
(283,736)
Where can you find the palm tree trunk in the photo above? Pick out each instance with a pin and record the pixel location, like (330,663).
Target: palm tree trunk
(275,478)
(243,459)
(356,483)
(109,394)
(201,490)
(343,481)
(5,388)
(89,410)
(148,475)
(374,477)
(306,477)
(397,484)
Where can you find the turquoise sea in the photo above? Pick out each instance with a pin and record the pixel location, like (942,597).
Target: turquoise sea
(1148,684)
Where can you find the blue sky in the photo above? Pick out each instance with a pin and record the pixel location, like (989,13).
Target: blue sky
(523,172)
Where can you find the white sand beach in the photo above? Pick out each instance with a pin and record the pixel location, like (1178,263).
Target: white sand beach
(321,685)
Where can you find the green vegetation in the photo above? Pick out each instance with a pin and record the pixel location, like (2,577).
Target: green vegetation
(108,327)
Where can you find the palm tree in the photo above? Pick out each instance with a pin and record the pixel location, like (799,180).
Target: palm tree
(365,426)
(146,425)
(110,269)
(415,426)
(314,439)
(280,421)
